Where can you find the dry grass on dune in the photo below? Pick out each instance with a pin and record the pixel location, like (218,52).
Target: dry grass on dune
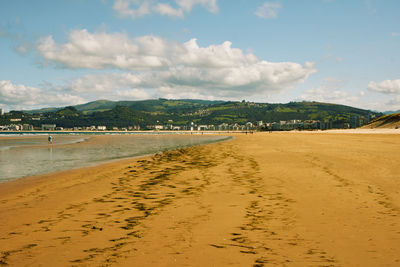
(391,121)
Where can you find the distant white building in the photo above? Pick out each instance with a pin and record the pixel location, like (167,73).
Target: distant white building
(48,127)
(202,127)
(1,112)
(223,127)
(27,127)
(101,128)
(134,128)
(14,127)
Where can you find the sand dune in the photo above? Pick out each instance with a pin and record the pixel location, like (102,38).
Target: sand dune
(390,121)
(279,199)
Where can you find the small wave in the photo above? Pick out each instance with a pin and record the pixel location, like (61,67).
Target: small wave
(4,148)
(77,141)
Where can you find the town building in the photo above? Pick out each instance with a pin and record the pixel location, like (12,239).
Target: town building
(202,128)
(15,127)
(48,127)
(223,127)
(134,128)
(355,121)
(27,127)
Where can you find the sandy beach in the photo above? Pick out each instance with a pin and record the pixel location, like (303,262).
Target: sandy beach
(263,199)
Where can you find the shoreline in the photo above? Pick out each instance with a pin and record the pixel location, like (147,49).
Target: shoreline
(149,132)
(257,200)
(91,140)
(5,134)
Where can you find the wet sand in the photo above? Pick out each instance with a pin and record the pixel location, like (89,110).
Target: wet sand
(265,199)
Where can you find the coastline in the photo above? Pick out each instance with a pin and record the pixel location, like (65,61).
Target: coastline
(5,134)
(27,181)
(266,198)
(79,149)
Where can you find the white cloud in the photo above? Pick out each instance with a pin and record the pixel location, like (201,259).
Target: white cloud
(178,82)
(330,92)
(167,10)
(385,87)
(146,7)
(20,42)
(122,7)
(395,34)
(268,10)
(187,5)
(151,63)
(137,94)
(214,56)
(148,67)
(18,96)
(101,50)
(393,104)
(101,83)
(323,94)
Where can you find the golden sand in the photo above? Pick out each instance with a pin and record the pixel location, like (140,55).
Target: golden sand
(266,199)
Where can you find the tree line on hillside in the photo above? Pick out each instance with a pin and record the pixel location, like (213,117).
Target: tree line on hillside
(181,112)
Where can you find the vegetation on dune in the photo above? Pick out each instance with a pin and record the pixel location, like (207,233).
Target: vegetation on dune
(386,121)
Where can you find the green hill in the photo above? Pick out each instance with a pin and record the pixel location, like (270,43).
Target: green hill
(99,105)
(153,105)
(184,111)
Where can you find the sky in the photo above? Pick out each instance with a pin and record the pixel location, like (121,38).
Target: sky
(67,52)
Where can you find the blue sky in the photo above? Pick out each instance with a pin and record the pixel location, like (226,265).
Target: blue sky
(58,53)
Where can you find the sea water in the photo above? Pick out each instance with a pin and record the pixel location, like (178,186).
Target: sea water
(33,155)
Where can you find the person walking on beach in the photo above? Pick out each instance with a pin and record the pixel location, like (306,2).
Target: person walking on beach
(50,139)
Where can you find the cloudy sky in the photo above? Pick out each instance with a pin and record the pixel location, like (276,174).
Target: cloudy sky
(65,52)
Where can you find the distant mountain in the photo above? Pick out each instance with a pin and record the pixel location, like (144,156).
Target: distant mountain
(391,121)
(99,105)
(391,112)
(185,111)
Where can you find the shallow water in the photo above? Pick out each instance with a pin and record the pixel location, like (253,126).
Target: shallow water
(32,155)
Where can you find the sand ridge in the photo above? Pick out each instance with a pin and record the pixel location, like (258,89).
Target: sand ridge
(265,199)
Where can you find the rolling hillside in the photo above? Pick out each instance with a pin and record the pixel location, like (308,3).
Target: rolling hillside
(152,105)
(185,111)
